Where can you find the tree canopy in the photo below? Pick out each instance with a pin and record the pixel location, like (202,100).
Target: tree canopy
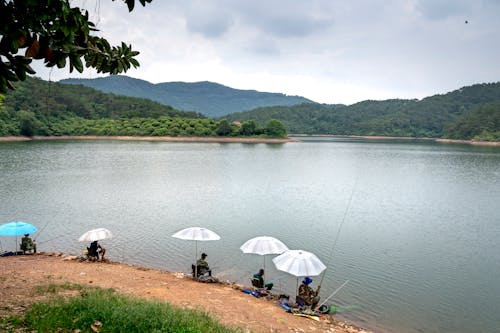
(58,34)
(40,108)
(481,123)
(467,113)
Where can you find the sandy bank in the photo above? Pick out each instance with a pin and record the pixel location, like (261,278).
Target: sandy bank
(238,140)
(224,301)
(149,138)
(468,142)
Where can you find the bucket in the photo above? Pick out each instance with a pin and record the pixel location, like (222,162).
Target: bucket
(324,309)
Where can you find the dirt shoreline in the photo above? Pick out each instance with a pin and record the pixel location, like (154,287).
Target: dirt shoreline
(239,140)
(375,137)
(224,301)
(148,138)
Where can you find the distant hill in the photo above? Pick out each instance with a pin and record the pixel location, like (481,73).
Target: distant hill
(466,113)
(38,107)
(46,99)
(208,98)
(44,108)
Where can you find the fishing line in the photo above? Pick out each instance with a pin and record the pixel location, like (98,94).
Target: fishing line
(278,278)
(60,236)
(336,291)
(41,230)
(49,85)
(340,229)
(247,273)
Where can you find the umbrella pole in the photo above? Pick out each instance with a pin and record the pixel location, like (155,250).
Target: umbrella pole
(296,289)
(195,259)
(16,239)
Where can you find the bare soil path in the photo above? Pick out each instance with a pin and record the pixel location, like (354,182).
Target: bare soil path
(19,274)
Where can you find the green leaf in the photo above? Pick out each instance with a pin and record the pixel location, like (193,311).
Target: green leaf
(77,63)
(61,63)
(134,63)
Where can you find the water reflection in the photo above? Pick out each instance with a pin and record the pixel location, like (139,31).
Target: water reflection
(419,244)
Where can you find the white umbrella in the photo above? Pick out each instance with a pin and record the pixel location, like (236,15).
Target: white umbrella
(95,235)
(264,245)
(299,263)
(196,234)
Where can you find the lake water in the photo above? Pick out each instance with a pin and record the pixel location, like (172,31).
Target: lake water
(418,224)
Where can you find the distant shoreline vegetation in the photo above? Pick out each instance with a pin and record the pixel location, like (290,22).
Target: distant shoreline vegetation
(469,113)
(40,108)
(150,138)
(291,138)
(25,123)
(403,138)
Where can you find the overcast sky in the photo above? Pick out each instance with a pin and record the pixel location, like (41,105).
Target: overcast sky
(329,51)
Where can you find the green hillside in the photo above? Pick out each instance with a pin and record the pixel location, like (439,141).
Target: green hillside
(482,122)
(458,114)
(55,99)
(37,107)
(208,98)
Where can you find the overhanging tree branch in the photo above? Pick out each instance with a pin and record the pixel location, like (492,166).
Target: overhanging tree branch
(59,34)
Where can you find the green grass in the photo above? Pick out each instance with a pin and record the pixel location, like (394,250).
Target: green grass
(116,312)
(55,288)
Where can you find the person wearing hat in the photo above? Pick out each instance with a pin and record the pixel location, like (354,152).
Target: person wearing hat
(203,265)
(307,296)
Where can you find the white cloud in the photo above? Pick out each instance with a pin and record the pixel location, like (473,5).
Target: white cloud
(330,52)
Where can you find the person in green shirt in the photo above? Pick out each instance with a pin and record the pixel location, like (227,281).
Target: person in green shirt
(258,280)
(202,266)
(27,244)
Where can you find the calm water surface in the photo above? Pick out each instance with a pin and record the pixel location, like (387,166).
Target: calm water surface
(419,243)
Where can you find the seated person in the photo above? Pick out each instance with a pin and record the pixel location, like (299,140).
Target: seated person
(94,250)
(307,296)
(258,280)
(27,244)
(202,266)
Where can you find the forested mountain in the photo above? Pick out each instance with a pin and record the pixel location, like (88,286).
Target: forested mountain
(38,107)
(458,114)
(482,122)
(208,98)
(54,99)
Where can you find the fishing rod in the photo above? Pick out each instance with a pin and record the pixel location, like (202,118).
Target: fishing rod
(41,230)
(51,239)
(278,278)
(340,229)
(336,291)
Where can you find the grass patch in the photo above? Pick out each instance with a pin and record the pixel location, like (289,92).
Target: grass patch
(55,288)
(116,313)
(10,324)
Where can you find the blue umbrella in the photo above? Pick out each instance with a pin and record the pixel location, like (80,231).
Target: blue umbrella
(16,228)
